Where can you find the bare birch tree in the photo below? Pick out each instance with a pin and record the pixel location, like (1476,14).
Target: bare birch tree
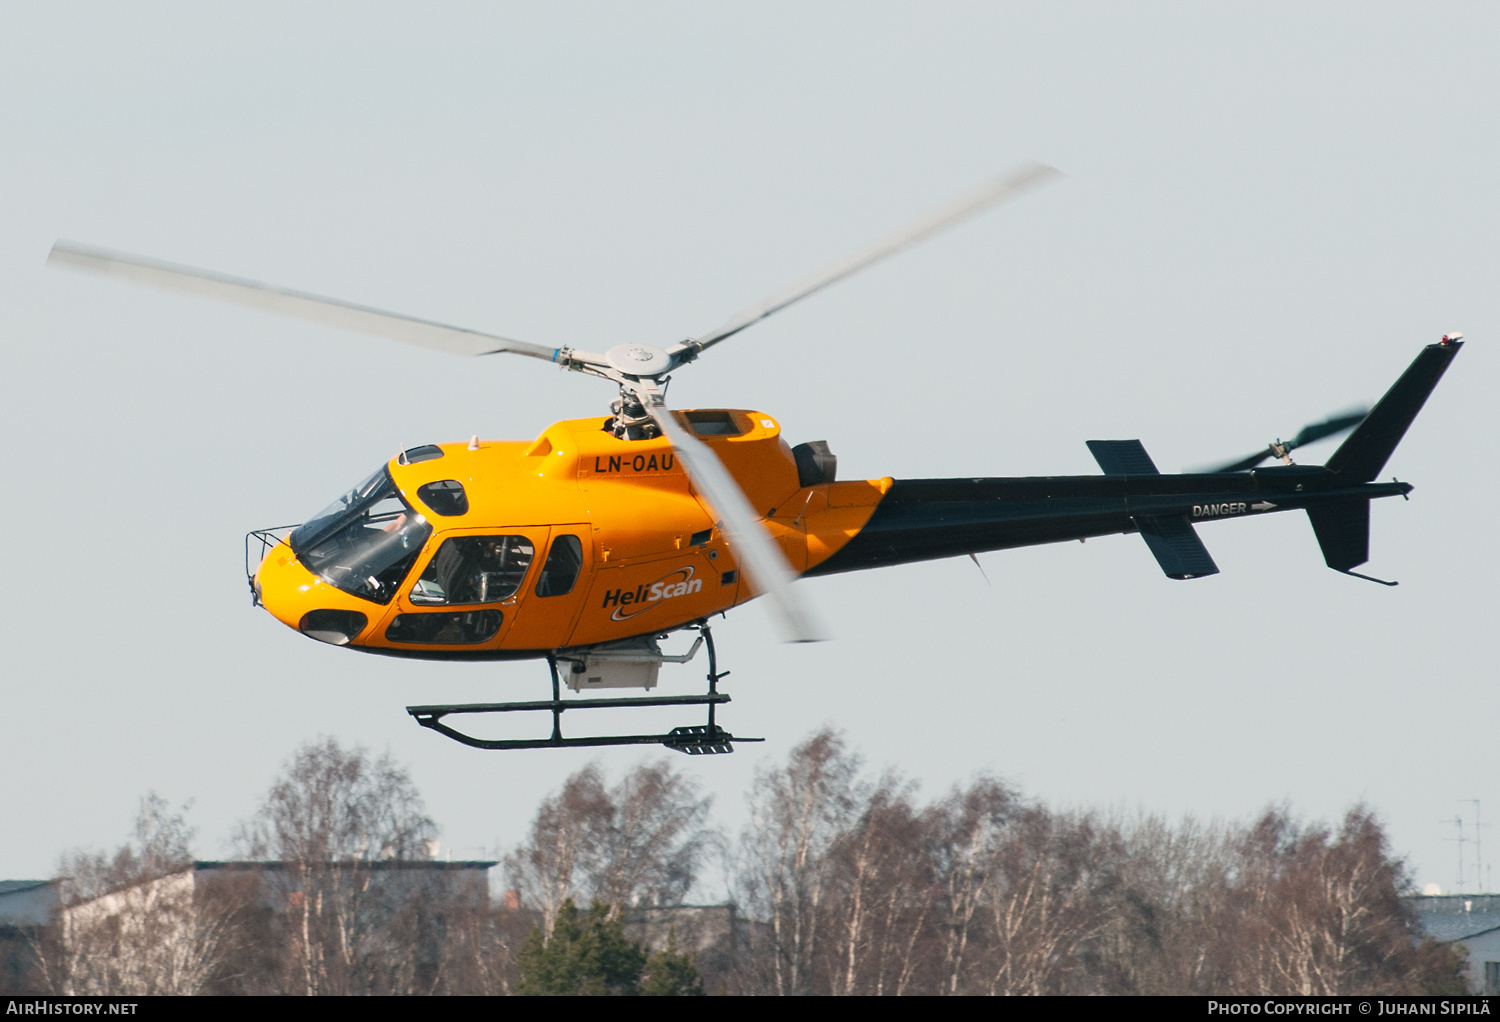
(640,842)
(1322,910)
(1166,933)
(850,887)
(479,949)
(968,828)
(135,923)
(655,841)
(1046,897)
(546,869)
(330,819)
(797,813)
(879,936)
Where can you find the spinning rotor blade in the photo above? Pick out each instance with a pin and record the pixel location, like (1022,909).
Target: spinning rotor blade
(1331,426)
(756,551)
(1244,464)
(1007,187)
(1328,427)
(327,311)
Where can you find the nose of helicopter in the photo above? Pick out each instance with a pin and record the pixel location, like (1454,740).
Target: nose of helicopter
(303,602)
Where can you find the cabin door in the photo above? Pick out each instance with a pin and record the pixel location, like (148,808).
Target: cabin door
(553,598)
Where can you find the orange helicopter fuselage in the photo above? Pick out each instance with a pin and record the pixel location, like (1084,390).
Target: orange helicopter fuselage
(652,558)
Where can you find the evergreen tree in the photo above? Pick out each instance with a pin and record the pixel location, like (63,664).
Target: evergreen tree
(588,956)
(671,974)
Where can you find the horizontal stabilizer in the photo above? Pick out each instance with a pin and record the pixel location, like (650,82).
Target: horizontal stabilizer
(1343,531)
(1361,457)
(1176,547)
(1122,458)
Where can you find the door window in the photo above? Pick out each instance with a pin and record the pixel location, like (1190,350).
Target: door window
(474,569)
(453,628)
(560,571)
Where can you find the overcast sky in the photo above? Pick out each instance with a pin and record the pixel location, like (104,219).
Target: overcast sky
(1269,209)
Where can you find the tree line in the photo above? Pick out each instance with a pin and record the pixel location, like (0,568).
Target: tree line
(840,883)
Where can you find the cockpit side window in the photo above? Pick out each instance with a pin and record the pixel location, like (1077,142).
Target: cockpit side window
(446,497)
(560,571)
(365,542)
(474,569)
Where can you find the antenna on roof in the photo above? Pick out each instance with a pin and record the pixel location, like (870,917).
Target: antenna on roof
(1458,821)
(1479,865)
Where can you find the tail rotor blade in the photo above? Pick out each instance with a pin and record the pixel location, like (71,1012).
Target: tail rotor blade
(1244,464)
(1328,427)
(753,547)
(1331,426)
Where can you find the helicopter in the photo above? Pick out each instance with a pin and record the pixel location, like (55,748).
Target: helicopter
(590,544)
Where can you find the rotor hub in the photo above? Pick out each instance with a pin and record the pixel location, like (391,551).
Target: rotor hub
(638,359)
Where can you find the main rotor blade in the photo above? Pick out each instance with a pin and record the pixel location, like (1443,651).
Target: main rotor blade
(756,551)
(1007,187)
(328,311)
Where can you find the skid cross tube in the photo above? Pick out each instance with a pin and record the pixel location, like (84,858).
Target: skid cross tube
(698,740)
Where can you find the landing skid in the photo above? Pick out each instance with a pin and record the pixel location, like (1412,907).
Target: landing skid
(696,740)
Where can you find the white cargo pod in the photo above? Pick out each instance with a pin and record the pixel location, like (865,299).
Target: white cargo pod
(632,664)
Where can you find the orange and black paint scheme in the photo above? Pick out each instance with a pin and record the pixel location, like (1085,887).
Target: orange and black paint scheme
(589,544)
(513,549)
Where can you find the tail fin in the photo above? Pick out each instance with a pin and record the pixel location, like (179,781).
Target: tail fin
(1343,531)
(1361,457)
(1176,546)
(1173,540)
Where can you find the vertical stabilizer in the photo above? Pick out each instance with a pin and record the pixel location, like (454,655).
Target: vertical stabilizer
(1361,457)
(1343,531)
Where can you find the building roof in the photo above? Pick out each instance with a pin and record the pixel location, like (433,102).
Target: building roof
(428,865)
(26,902)
(16,886)
(1449,917)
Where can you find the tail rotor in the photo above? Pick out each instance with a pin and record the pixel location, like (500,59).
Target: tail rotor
(1331,426)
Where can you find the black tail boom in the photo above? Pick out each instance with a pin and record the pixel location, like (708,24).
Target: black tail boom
(925,519)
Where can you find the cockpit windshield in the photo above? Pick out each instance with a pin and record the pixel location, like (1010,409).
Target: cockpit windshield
(365,542)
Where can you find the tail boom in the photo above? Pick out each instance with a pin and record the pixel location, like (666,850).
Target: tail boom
(927,519)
